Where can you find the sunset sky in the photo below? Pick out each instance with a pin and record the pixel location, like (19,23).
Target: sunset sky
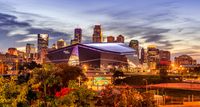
(172,25)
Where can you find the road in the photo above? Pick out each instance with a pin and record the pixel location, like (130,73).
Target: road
(184,86)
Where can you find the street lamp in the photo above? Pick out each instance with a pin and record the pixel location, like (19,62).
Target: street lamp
(146,83)
(1,68)
(16,64)
(79,81)
(85,68)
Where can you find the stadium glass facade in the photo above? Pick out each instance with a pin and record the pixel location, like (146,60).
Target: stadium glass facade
(96,55)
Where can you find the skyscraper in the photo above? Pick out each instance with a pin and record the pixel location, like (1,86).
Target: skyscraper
(30,51)
(135,45)
(21,55)
(53,46)
(78,34)
(12,51)
(74,41)
(120,39)
(43,41)
(164,55)
(152,56)
(97,35)
(60,43)
(142,59)
(110,39)
(184,60)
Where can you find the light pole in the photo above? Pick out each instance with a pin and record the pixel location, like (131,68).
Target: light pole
(79,81)
(1,68)
(16,64)
(146,83)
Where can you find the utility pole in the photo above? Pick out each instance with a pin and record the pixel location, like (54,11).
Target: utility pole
(79,81)
(146,83)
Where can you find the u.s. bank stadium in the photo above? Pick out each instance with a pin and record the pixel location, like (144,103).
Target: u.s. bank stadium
(98,58)
(96,55)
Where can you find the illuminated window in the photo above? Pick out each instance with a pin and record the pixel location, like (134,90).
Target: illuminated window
(74,58)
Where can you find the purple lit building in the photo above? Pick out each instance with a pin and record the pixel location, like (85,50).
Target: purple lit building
(96,55)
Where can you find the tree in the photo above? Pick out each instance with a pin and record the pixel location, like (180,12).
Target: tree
(29,65)
(12,94)
(124,97)
(163,74)
(45,81)
(148,99)
(70,73)
(117,77)
(83,96)
(50,78)
(78,97)
(118,74)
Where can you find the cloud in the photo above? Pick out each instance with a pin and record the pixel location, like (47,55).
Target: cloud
(137,23)
(18,32)
(23,48)
(32,35)
(153,38)
(165,45)
(27,39)
(87,39)
(5,7)
(118,14)
(10,21)
(24,30)
(194,54)
(50,31)
(161,24)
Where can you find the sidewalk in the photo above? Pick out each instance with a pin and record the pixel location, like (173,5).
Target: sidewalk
(185,104)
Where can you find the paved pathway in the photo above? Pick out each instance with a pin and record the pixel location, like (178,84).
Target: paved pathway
(184,86)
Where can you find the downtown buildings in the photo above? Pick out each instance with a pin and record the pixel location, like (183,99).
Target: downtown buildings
(135,45)
(30,52)
(184,60)
(11,60)
(119,39)
(185,63)
(110,39)
(157,58)
(77,36)
(12,51)
(143,56)
(164,57)
(154,58)
(97,36)
(150,56)
(43,42)
(60,44)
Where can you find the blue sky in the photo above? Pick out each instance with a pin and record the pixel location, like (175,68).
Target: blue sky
(172,25)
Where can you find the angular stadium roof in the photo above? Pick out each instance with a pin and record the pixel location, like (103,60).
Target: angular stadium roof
(106,47)
(112,47)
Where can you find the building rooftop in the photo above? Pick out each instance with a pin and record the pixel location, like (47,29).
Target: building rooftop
(113,47)
(108,47)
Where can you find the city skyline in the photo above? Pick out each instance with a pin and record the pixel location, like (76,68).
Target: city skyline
(170,24)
